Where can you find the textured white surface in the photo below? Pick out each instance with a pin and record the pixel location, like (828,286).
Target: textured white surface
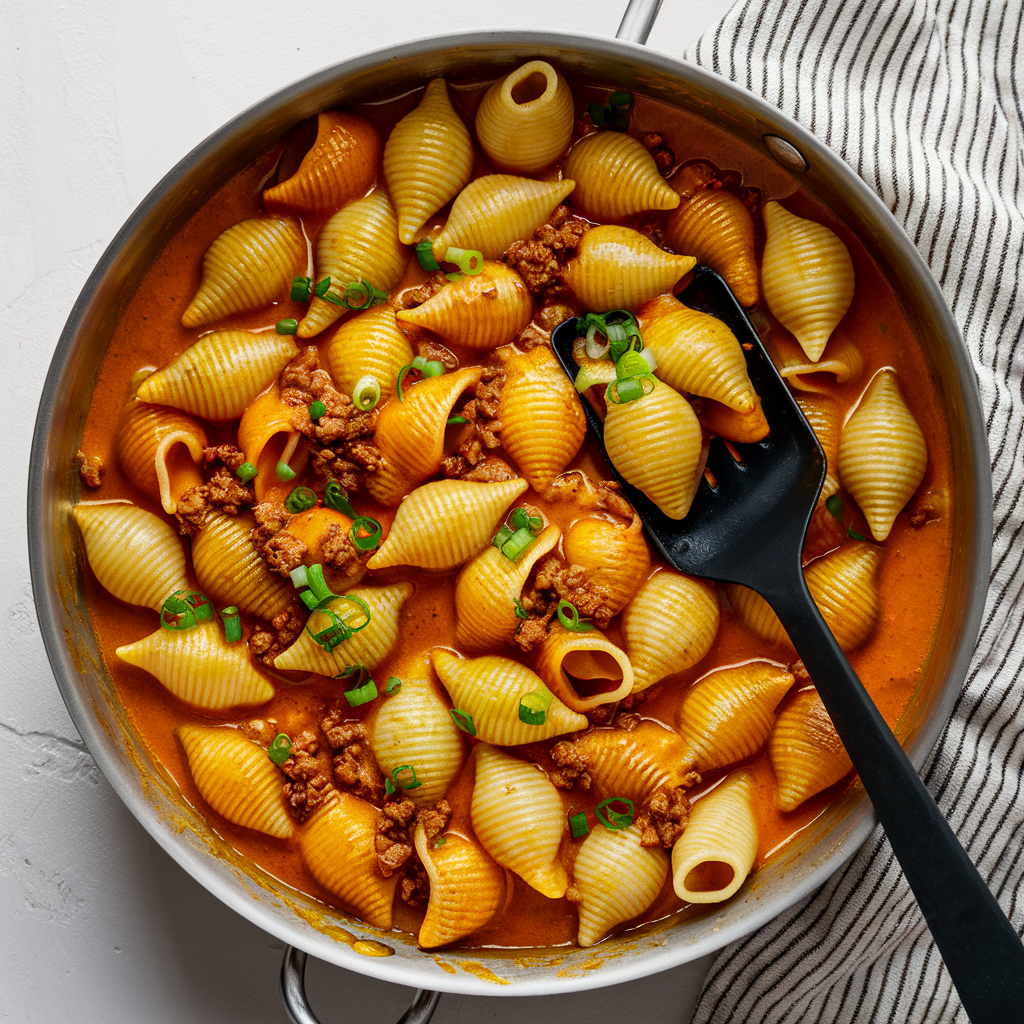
(98,99)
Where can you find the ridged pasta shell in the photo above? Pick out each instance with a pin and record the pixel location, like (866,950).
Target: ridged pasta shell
(716,228)
(519,818)
(248,266)
(480,311)
(370,344)
(656,444)
(669,626)
(807,754)
(542,422)
(369,647)
(720,421)
(442,524)
(467,887)
(135,555)
(697,353)
(359,241)
(619,268)
(413,727)
(823,416)
(486,592)
(490,688)
(617,878)
(841,358)
(525,120)
(267,436)
(340,165)
(428,158)
(727,716)
(220,374)
(410,433)
(230,572)
(237,779)
(807,277)
(633,764)
(882,454)
(713,857)
(584,669)
(337,847)
(496,210)
(200,667)
(615,556)
(616,177)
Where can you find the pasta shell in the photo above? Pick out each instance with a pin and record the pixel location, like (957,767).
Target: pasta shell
(135,555)
(413,727)
(220,374)
(823,417)
(496,210)
(359,242)
(467,887)
(669,626)
(633,764)
(807,754)
(807,276)
(248,266)
(615,556)
(237,779)
(584,669)
(371,344)
(696,353)
(337,847)
(442,524)
(525,120)
(882,454)
(727,716)
(715,227)
(656,444)
(410,434)
(230,572)
(489,690)
(479,311)
(519,818)
(619,268)
(542,422)
(200,667)
(428,158)
(340,166)
(368,647)
(713,857)
(486,592)
(267,436)
(617,879)
(720,421)
(841,358)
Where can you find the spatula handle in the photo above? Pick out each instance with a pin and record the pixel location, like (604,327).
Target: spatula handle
(980,947)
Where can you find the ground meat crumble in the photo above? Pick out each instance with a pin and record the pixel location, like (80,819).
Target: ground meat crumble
(664,817)
(472,461)
(571,766)
(353,765)
(393,843)
(90,469)
(266,644)
(308,768)
(222,491)
(555,581)
(539,260)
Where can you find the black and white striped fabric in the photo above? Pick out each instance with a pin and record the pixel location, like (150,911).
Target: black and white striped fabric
(923,98)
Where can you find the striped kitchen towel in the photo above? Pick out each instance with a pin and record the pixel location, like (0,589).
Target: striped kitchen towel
(923,98)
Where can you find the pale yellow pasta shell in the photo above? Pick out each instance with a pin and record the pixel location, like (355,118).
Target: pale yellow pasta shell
(442,524)
(135,555)
(841,358)
(713,857)
(489,690)
(200,667)
(428,158)
(248,266)
(267,436)
(371,344)
(656,444)
(756,613)
(633,764)
(480,311)
(619,268)
(496,210)
(519,818)
(807,277)
(340,165)
(220,374)
(615,556)
(525,120)
(486,592)
(669,626)
(617,879)
(807,754)
(882,454)
(237,779)
(823,416)
(337,846)
(584,669)
(727,716)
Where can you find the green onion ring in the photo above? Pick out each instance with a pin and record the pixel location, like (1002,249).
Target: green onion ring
(619,820)
(463,720)
(232,624)
(299,499)
(280,750)
(334,497)
(373,531)
(285,472)
(569,617)
(366,393)
(183,616)
(578,825)
(533,707)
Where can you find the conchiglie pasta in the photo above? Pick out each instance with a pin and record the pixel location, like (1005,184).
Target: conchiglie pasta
(614,554)
(841,358)
(267,436)
(583,669)
(370,344)
(634,763)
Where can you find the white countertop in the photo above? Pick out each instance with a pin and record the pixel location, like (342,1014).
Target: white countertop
(98,99)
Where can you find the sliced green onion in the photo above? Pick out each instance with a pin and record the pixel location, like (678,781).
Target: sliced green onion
(616,332)
(232,624)
(834,504)
(533,707)
(287,326)
(316,410)
(455,276)
(280,750)
(300,499)
(425,255)
(595,348)
(358,294)
(597,113)
(521,612)
(631,364)
(650,358)
(317,584)
(621,100)
(299,577)
(470,261)
(503,535)
(398,380)
(175,613)
(286,473)
(334,497)
(301,289)
(433,368)
(569,617)
(393,685)
(363,607)
(419,362)
(520,518)
(308,598)
(589,375)
(365,688)
(366,393)
(578,825)
(851,532)
(630,389)
(536,523)
(366,533)
(616,821)
(200,605)
(401,770)
(463,720)
(339,630)
(515,547)
(246,472)
(454,421)
(439,842)
(322,287)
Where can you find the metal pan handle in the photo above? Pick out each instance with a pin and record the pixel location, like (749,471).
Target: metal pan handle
(638,20)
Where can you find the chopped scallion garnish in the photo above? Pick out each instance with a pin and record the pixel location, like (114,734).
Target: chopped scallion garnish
(334,497)
(200,605)
(521,612)
(834,504)
(232,624)
(364,690)
(463,720)
(317,584)
(300,499)
(439,842)
(569,617)
(366,393)
(396,782)
(287,326)
(615,820)
(516,546)
(578,825)
(286,473)
(322,287)
(533,707)
(454,421)
(301,289)
(851,532)
(470,261)
(366,533)
(176,613)
(433,368)
(393,685)
(316,410)
(631,364)
(340,629)
(246,472)
(280,750)
(299,577)
(455,276)
(425,255)
(629,390)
